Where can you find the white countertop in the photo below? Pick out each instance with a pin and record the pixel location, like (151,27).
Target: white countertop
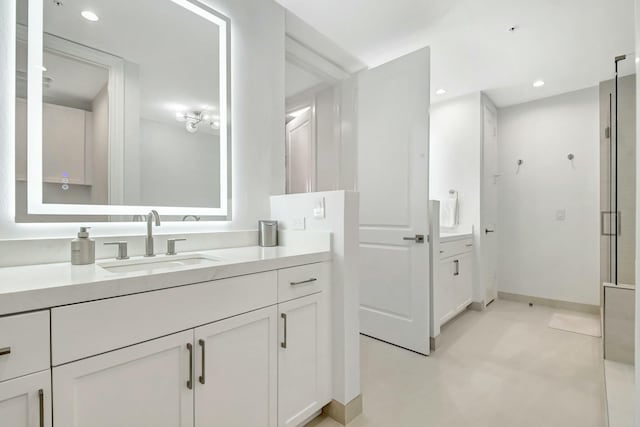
(450,236)
(42,286)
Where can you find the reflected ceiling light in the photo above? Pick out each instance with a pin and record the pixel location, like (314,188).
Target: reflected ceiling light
(89,16)
(193,119)
(43,68)
(299,112)
(441,92)
(538,83)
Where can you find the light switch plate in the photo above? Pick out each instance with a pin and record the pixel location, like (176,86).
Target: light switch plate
(298,224)
(318,208)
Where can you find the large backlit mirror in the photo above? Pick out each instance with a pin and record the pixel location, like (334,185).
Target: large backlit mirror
(121,107)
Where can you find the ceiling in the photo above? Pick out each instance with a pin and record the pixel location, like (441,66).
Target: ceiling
(570,44)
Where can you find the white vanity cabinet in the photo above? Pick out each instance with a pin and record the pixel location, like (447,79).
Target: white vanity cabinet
(245,351)
(25,378)
(454,288)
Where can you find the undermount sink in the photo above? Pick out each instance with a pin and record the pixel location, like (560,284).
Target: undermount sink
(159,263)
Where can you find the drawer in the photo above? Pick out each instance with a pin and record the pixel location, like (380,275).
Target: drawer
(24,340)
(455,247)
(87,329)
(303,280)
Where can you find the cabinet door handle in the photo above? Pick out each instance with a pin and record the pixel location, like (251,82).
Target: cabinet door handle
(201,377)
(283,344)
(456,263)
(41,405)
(304,282)
(190,381)
(5,350)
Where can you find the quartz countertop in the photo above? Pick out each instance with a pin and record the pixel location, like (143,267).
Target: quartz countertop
(450,236)
(35,287)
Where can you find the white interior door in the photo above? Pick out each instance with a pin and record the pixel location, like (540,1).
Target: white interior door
(393,147)
(301,153)
(489,239)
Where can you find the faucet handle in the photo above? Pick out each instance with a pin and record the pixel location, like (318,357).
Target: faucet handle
(122,249)
(171,246)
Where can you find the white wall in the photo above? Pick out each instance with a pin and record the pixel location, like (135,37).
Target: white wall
(454,155)
(341,219)
(257,96)
(637,337)
(539,255)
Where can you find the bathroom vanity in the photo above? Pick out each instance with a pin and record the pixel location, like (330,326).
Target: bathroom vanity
(240,337)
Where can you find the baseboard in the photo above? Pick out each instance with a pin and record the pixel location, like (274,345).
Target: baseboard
(477,306)
(434,342)
(566,305)
(342,413)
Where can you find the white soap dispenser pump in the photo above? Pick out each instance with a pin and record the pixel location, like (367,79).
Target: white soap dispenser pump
(83,249)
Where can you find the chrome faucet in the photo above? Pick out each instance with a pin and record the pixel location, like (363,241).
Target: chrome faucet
(149,240)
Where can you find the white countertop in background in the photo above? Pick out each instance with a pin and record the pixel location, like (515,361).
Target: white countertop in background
(42,286)
(449,236)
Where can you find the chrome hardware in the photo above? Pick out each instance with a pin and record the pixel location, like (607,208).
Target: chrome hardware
(41,405)
(171,246)
(195,217)
(122,249)
(5,350)
(419,238)
(201,377)
(456,263)
(151,216)
(190,381)
(304,282)
(283,344)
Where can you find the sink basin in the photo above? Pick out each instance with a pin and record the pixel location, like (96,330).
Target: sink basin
(157,263)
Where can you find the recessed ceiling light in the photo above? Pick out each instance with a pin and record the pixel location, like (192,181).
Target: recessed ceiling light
(538,83)
(441,92)
(89,16)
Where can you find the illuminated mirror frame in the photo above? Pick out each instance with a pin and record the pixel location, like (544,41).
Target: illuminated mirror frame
(34,121)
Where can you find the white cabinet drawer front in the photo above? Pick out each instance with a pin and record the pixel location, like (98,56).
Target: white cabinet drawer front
(456,247)
(24,344)
(303,280)
(91,328)
(144,385)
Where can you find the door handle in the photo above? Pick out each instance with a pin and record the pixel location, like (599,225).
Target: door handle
(418,238)
(283,344)
(41,406)
(456,264)
(201,377)
(487,231)
(190,381)
(5,351)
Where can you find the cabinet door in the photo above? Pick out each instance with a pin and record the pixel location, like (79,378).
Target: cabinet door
(445,291)
(304,359)
(463,282)
(236,371)
(63,144)
(145,385)
(26,401)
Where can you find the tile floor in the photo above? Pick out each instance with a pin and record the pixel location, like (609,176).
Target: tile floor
(503,367)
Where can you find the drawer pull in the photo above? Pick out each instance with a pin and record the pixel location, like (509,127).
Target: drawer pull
(201,377)
(190,381)
(283,344)
(304,282)
(456,263)
(41,405)
(4,351)
(469,245)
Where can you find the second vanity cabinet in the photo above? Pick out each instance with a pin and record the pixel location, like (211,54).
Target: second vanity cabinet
(455,285)
(252,350)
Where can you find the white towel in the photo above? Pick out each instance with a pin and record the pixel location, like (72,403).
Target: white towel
(449,213)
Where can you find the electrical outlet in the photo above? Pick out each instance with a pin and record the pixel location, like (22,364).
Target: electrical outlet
(298,224)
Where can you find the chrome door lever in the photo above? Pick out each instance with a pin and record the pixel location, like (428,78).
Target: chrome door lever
(419,238)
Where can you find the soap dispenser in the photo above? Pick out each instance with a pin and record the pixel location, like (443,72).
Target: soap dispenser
(83,249)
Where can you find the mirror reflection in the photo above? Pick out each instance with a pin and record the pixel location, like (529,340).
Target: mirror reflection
(131,106)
